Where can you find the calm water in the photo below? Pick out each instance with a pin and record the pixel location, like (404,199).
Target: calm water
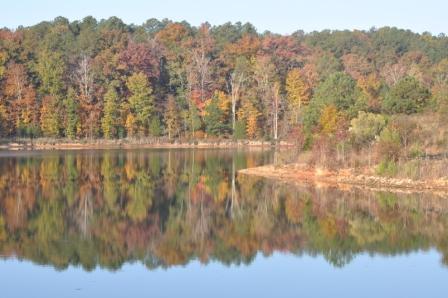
(183,223)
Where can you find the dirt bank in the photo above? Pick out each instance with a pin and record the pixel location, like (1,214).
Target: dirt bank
(343,177)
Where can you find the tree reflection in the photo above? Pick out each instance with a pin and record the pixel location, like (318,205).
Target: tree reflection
(168,207)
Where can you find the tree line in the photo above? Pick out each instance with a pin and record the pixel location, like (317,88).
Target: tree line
(107,79)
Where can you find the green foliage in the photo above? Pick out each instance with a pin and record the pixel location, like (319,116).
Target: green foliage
(111,118)
(141,101)
(407,96)
(155,127)
(51,69)
(171,117)
(338,90)
(49,117)
(387,168)
(240,130)
(327,65)
(71,112)
(194,120)
(366,127)
(213,119)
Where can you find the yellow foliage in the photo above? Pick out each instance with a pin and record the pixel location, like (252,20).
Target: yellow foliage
(130,124)
(223,102)
(223,190)
(249,113)
(298,93)
(329,119)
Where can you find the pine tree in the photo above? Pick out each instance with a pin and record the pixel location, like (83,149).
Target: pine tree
(71,114)
(214,118)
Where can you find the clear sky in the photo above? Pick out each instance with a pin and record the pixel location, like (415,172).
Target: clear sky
(280,16)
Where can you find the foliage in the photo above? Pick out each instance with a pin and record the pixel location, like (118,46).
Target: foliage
(214,116)
(329,119)
(111,118)
(389,144)
(298,93)
(387,168)
(71,111)
(407,96)
(271,83)
(141,101)
(366,127)
(240,130)
(172,122)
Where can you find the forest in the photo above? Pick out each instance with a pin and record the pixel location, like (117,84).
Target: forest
(333,91)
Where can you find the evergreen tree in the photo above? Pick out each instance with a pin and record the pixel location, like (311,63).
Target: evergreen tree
(171,117)
(213,118)
(71,113)
(110,120)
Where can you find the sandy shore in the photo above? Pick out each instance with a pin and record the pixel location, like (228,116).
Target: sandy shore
(343,178)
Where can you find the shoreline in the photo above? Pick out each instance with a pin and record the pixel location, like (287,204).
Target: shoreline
(62,144)
(344,178)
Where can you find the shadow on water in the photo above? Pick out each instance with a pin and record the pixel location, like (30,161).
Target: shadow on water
(169,207)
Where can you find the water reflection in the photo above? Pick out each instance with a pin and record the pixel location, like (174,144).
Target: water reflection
(168,207)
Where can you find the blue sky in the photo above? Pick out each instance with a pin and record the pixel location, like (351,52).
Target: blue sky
(280,16)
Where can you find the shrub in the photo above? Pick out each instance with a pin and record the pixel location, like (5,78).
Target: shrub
(387,168)
(389,145)
(365,127)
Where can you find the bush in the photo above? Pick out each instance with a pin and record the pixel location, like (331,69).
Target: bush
(366,127)
(387,168)
(389,145)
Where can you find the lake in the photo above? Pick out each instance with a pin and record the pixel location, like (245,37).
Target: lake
(184,223)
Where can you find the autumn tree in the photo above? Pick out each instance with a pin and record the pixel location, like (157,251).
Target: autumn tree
(172,117)
(21,101)
(141,103)
(214,119)
(111,117)
(49,120)
(235,83)
(89,108)
(298,93)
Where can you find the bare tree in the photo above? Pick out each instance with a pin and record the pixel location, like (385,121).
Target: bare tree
(84,78)
(234,85)
(276,99)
